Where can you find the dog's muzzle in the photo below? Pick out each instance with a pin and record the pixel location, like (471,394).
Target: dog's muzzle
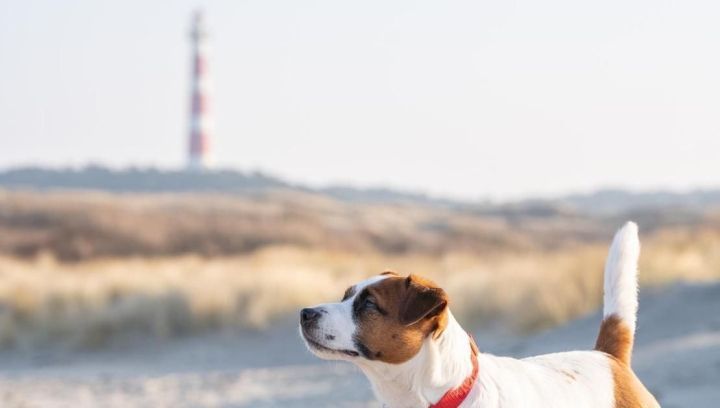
(309,317)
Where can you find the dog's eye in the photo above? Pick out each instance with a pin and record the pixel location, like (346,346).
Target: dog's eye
(369,303)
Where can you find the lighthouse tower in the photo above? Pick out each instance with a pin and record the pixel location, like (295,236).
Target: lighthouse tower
(200,131)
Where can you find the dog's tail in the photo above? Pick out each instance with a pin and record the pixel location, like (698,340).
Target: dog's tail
(617,331)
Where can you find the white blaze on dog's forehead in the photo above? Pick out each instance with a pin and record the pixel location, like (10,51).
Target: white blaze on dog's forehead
(367,282)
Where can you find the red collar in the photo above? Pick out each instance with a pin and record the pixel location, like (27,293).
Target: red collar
(454,397)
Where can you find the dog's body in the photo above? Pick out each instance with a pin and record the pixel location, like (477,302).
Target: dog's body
(402,335)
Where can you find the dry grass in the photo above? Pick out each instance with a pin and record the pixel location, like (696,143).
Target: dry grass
(84,269)
(90,303)
(77,226)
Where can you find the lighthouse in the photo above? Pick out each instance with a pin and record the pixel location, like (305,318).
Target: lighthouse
(200,126)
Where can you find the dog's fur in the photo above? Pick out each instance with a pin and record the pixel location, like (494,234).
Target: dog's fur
(402,335)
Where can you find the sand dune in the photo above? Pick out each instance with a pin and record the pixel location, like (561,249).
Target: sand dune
(677,356)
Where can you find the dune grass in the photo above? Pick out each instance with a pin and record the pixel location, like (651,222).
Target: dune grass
(83,269)
(94,302)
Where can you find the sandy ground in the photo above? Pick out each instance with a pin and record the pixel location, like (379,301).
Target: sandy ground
(677,356)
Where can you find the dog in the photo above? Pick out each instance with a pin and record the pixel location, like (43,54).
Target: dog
(400,332)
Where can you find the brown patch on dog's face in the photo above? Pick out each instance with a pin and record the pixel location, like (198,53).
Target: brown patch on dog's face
(395,315)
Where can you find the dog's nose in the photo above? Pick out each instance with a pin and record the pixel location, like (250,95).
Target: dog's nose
(309,314)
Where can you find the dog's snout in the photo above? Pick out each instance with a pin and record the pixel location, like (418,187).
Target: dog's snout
(309,315)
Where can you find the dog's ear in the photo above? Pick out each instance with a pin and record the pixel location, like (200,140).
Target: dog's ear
(423,299)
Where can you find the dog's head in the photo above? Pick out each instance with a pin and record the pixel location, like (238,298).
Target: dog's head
(385,318)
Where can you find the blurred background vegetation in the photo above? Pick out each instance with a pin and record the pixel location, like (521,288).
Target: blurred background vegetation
(83,267)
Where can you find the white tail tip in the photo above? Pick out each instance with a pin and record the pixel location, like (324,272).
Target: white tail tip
(621,286)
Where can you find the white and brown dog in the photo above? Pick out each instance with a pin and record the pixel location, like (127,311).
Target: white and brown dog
(400,332)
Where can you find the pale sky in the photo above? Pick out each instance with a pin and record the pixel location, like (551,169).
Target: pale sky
(464,98)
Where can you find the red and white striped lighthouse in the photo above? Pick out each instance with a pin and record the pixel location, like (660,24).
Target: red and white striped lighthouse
(200,118)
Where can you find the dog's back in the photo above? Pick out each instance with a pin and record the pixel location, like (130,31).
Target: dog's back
(600,378)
